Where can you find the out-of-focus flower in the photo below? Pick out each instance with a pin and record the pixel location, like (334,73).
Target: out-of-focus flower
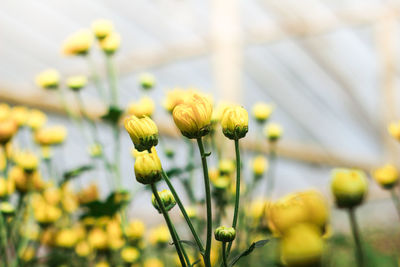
(226,166)
(235,122)
(102,28)
(78,43)
(260,165)
(36,119)
(77,82)
(27,254)
(8,128)
(23,181)
(53,135)
(83,249)
(135,230)
(66,238)
(5,111)
(147,81)
(26,160)
(394,130)
(20,115)
(159,236)
(97,238)
(52,195)
(7,187)
(143,132)
(219,110)
(7,209)
(386,176)
(148,168)
(302,246)
(153,262)
(144,107)
(46,214)
(167,200)
(222,182)
(102,264)
(175,97)
(89,194)
(48,79)
(110,43)
(95,150)
(273,131)
(193,117)
(349,187)
(130,254)
(225,234)
(191,211)
(262,111)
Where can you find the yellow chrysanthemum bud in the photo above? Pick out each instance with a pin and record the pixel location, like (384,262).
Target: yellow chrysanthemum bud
(36,119)
(226,166)
(394,130)
(153,262)
(89,194)
(24,181)
(130,254)
(5,111)
(387,176)
(222,182)
(102,28)
(78,43)
(111,43)
(46,214)
(193,117)
(76,83)
(7,187)
(53,135)
(273,132)
(102,264)
(143,132)
(97,238)
(302,246)
(148,168)
(262,111)
(52,195)
(48,79)
(135,230)
(7,209)
(144,107)
(159,236)
(260,165)
(26,160)
(191,212)
(8,128)
(27,254)
(225,234)
(66,238)
(20,115)
(235,122)
(147,81)
(83,249)
(167,200)
(349,187)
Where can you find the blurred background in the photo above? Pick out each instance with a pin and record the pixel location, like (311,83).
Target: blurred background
(329,67)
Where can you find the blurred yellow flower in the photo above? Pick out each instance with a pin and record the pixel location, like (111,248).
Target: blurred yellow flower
(97,238)
(5,111)
(135,230)
(77,82)
(66,238)
(46,214)
(273,131)
(260,165)
(144,107)
(102,28)
(153,262)
(386,176)
(48,79)
(52,135)
(26,160)
(8,128)
(78,43)
(159,235)
(222,182)
(349,187)
(175,97)
(110,43)
(235,122)
(7,187)
(394,130)
(143,132)
(262,111)
(20,115)
(24,181)
(147,80)
(28,253)
(226,166)
(130,254)
(95,150)
(52,195)
(83,249)
(102,264)
(36,119)
(88,194)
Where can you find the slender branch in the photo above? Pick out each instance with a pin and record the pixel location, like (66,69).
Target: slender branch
(207,260)
(271,174)
(396,200)
(224,264)
(357,238)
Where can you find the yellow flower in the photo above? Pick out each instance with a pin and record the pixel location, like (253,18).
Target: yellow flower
(302,246)
(222,182)
(24,181)
(273,131)
(52,195)
(260,165)
(27,160)
(219,111)
(135,230)
(78,43)
(262,111)
(349,187)
(46,214)
(144,107)
(258,209)
(110,43)
(159,236)
(153,262)
(48,79)
(53,135)
(8,128)
(394,130)
(102,264)
(386,176)
(6,208)
(5,111)
(7,187)
(89,194)
(167,200)
(83,249)
(143,132)
(19,114)
(97,238)
(95,150)
(147,81)
(191,211)
(76,83)
(36,119)
(102,28)
(226,166)
(235,122)
(130,254)
(148,168)
(66,238)
(28,253)
(193,117)
(175,97)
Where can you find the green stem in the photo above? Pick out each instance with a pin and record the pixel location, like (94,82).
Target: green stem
(207,260)
(112,81)
(117,156)
(396,200)
(182,208)
(4,241)
(357,239)
(271,174)
(224,264)
(96,79)
(237,197)
(169,224)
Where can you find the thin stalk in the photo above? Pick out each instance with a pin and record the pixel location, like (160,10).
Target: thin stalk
(271,174)
(4,241)
(185,255)
(184,213)
(117,156)
(96,80)
(237,197)
(207,260)
(357,238)
(112,79)
(169,224)
(396,200)
(224,264)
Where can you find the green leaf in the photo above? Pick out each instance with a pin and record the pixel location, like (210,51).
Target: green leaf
(113,115)
(68,175)
(254,245)
(109,207)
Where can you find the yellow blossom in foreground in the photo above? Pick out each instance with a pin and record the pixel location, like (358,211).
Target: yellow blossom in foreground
(110,43)
(52,135)
(386,176)
(83,249)
(143,132)
(78,43)
(148,168)
(48,79)
(102,28)
(235,122)
(97,238)
(262,111)
(144,107)
(36,119)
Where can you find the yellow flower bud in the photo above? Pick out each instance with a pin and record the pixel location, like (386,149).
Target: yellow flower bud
(52,195)
(53,135)
(394,130)
(5,111)
(102,264)
(97,238)
(7,209)
(222,182)
(76,83)
(102,28)
(89,194)
(153,262)
(226,166)
(159,236)
(191,212)
(135,230)
(273,131)
(48,79)
(95,150)
(8,128)
(147,81)
(78,43)
(144,107)
(349,187)
(262,111)
(27,160)
(167,200)
(66,238)
(24,181)
(20,115)
(193,117)
(225,234)
(7,187)
(83,249)
(130,254)
(110,43)
(36,119)
(148,168)
(143,132)
(387,176)
(28,253)
(302,246)
(260,165)
(235,122)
